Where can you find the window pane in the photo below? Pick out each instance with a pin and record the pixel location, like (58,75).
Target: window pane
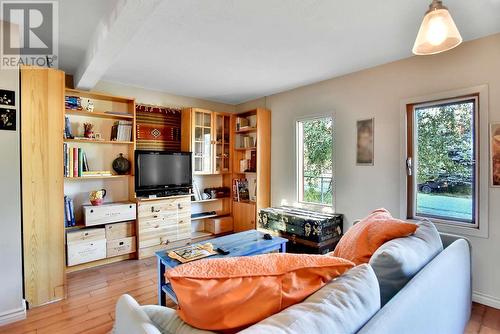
(316,154)
(445,161)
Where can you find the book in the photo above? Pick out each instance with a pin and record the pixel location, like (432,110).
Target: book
(80,162)
(72,212)
(70,163)
(75,162)
(67,128)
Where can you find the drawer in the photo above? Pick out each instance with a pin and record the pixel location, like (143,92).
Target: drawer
(166,206)
(164,235)
(108,213)
(120,246)
(219,225)
(84,235)
(86,251)
(150,251)
(120,230)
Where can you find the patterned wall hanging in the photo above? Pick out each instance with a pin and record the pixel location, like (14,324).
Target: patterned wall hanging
(158,128)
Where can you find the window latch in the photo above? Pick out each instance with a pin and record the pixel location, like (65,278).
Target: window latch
(409,166)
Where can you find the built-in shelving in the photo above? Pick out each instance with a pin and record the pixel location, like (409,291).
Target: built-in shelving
(98,114)
(98,177)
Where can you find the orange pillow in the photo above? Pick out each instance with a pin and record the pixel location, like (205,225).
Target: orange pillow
(231,293)
(365,237)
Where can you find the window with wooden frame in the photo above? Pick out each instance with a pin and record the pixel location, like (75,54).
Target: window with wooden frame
(315,160)
(443,160)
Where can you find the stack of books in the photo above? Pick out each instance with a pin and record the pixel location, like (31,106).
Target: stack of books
(241,123)
(73,102)
(69,212)
(121,131)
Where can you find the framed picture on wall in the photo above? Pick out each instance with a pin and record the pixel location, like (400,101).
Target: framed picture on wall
(7,97)
(495,154)
(7,119)
(365,142)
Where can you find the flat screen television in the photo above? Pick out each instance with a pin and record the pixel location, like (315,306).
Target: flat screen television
(162,172)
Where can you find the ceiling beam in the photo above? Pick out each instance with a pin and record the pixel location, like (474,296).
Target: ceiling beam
(110,37)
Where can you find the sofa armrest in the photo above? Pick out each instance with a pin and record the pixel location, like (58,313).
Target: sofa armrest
(131,319)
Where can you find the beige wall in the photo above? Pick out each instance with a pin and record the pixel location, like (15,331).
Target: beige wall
(160,98)
(11,280)
(378,92)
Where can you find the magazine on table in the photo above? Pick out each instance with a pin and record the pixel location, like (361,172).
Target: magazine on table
(192,252)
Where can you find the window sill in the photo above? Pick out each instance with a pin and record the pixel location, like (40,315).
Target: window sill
(457,229)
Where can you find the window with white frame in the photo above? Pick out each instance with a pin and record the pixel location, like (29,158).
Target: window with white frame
(315,160)
(443,160)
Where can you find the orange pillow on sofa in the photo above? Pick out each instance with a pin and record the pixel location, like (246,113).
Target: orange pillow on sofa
(365,237)
(231,293)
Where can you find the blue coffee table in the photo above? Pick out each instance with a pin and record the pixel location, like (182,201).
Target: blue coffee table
(238,244)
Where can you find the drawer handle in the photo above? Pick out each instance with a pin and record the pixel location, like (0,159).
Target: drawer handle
(121,243)
(180,206)
(166,242)
(156,226)
(153,209)
(91,211)
(155,216)
(86,234)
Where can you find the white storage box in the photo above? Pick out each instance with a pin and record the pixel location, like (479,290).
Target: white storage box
(85,235)
(81,252)
(108,213)
(120,246)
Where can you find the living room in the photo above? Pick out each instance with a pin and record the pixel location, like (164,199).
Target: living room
(155,133)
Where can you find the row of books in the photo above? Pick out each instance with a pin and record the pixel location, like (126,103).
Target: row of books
(75,161)
(122,131)
(69,212)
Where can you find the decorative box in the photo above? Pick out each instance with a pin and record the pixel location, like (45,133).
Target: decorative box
(108,213)
(304,224)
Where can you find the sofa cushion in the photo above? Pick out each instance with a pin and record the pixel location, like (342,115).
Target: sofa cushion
(167,321)
(365,237)
(398,260)
(342,306)
(230,293)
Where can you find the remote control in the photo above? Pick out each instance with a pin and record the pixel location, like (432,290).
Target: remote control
(223,251)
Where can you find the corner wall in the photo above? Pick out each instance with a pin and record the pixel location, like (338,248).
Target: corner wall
(11,280)
(378,92)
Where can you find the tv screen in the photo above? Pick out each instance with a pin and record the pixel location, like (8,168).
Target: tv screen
(156,170)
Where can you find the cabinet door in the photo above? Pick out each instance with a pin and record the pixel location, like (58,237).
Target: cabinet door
(243,216)
(202,142)
(42,118)
(221,143)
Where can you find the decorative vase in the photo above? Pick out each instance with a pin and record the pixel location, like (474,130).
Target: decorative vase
(96,197)
(121,165)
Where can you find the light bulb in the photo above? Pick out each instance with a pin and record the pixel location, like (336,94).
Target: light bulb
(438,31)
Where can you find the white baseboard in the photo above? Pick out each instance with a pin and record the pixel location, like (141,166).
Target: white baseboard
(487,300)
(13,315)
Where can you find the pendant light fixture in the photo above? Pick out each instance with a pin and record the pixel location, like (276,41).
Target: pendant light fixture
(438,32)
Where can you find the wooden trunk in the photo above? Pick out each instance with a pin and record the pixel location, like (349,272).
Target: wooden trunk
(42,127)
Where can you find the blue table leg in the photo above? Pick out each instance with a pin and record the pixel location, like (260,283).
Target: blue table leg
(161,280)
(283,248)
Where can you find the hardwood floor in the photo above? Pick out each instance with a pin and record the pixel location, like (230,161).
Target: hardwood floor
(92,295)
(484,320)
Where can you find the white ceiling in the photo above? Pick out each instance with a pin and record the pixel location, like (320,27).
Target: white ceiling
(236,50)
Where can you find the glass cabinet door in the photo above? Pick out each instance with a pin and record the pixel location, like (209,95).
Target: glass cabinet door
(222,128)
(202,150)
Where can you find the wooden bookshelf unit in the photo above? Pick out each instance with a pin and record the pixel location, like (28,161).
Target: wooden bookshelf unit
(100,153)
(257,127)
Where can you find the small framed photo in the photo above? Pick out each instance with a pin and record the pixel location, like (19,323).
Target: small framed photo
(365,142)
(7,97)
(7,119)
(495,154)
